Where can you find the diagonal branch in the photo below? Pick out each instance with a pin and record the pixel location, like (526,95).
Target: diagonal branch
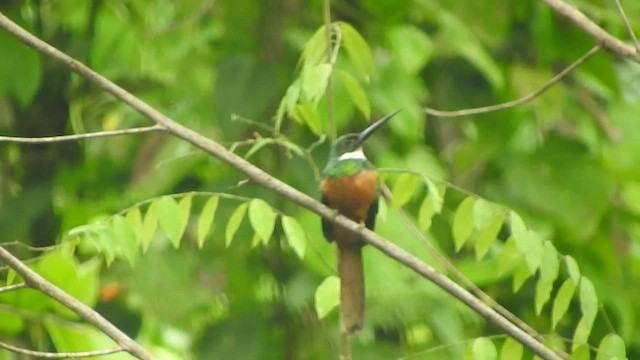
(35,281)
(262,178)
(59,138)
(523,100)
(599,34)
(65,355)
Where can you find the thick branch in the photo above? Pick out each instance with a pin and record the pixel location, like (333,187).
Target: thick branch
(34,280)
(599,34)
(264,179)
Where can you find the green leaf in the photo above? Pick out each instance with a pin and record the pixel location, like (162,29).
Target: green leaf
(20,70)
(543,294)
(562,301)
(572,268)
(356,92)
(134,218)
(206,219)
(412,47)
(295,235)
(431,205)
(588,298)
(534,251)
(511,350)
(550,265)
(488,235)
(581,334)
(262,219)
(404,189)
(149,225)
(258,145)
(170,219)
(314,82)
(463,222)
(509,257)
(74,337)
(612,347)
(306,114)
(315,49)
(482,349)
(519,231)
(125,238)
(521,274)
(234,222)
(327,296)
(357,49)
(580,353)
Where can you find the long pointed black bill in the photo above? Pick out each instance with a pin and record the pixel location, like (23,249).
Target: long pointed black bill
(364,135)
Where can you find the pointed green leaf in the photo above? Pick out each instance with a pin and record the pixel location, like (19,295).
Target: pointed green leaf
(511,350)
(206,219)
(258,145)
(550,265)
(509,257)
(521,274)
(431,205)
(488,235)
(185,210)
(295,235)
(543,293)
(612,347)
(306,114)
(581,334)
(519,231)
(412,47)
(562,301)
(481,349)
(315,49)
(572,268)
(534,250)
(314,82)
(234,223)
(404,189)
(356,92)
(463,222)
(134,218)
(357,49)
(588,298)
(149,225)
(170,219)
(125,239)
(262,219)
(580,353)
(327,296)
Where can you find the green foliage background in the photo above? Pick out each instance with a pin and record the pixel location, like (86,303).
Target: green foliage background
(251,75)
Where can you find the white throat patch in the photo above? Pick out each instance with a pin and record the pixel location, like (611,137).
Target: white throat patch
(357,154)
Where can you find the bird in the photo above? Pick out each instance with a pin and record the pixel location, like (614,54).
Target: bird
(350,185)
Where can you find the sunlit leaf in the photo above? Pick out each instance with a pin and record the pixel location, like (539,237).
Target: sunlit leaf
(580,353)
(511,350)
(534,250)
(306,114)
(327,296)
(170,219)
(550,265)
(588,298)
(314,82)
(404,189)
(149,225)
(612,346)
(412,47)
(463,222)
(582,332)
(488,235)
(295,235)
(358,49)
(543,294)
(572,268)
(315,49)
(125,238)
(262,219)
(562,301)
(509,257)
(356,92)
(482,349)
(520,275)
(431,205)
(257,146)
(234,223)
(206,219)
(134,218)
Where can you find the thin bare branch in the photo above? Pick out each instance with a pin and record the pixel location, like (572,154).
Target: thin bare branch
(267,181)
(599,34)
(98,134)
(517,102)
(627,25)
(13,287)
(60,355)
(35,281)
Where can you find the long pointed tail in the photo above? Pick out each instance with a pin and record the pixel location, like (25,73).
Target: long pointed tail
(351,288)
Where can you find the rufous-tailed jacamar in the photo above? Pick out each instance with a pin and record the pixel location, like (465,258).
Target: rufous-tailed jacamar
(350,185)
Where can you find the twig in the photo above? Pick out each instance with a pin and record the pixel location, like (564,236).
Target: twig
(34,280)
(600,35)
(262,178)
(517,102)
(59,138)
(627,25)
(60,355)
(13,287)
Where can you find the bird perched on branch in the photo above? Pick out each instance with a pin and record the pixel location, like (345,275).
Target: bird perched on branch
(350,185)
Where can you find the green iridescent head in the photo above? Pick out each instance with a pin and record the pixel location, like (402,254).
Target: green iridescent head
(349,146)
